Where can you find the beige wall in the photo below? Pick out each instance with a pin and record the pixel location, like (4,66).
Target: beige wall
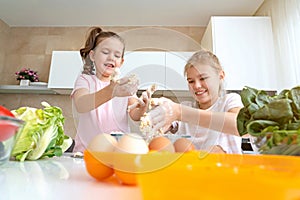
(32,47)
(13,101)
(4,33)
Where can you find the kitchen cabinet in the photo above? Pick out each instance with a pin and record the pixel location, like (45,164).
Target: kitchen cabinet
(244,46)
(64,69)
(175,62)
(148,66)
(162,68)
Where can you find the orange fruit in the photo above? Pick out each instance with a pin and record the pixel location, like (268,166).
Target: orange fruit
(126,178)
(95,167)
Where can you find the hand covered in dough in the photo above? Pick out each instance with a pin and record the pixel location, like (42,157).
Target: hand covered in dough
(144,100)
(163,115)
(126,86)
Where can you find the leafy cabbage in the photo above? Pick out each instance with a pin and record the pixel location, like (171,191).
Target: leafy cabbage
(42,135)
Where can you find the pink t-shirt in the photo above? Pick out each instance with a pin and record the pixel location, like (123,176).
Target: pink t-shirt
(110,116)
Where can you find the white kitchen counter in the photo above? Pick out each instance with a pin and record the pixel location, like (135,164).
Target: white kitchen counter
(58,178)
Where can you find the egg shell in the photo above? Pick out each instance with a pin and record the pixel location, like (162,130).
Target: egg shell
(102,142)
(161,143)
(132,143)
(183,145)
(96,168)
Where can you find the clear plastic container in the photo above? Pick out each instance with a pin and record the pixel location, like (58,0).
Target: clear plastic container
(9,126)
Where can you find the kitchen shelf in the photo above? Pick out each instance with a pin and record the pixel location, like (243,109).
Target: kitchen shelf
(16,89)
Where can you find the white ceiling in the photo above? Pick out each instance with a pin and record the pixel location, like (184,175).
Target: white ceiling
(121,12)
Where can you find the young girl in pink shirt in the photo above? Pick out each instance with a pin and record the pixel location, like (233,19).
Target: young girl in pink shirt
(101,101)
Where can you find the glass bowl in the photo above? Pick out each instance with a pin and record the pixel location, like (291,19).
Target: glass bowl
(9,126)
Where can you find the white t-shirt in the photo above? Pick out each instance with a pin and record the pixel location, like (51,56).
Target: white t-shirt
(110,116)
(204,138)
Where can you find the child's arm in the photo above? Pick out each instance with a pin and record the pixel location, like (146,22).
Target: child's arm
(163,115)
(86,101)
(220,121)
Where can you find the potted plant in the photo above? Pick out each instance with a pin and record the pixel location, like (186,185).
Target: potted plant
(26,75)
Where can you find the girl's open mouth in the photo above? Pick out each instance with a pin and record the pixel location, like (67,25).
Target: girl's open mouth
(109,65)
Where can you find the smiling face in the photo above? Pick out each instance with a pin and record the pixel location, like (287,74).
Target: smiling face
(204,84)
(106,57)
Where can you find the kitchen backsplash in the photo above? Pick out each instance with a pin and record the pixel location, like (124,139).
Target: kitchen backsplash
(32,46)
(14,101)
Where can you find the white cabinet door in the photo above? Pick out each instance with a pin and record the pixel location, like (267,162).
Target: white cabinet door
(148,66)
(64,69)
(175,62)
(244,46)
(162,68)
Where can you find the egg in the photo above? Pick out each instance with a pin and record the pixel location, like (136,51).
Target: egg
(132,143)
(161,143)
(183,145)
(103,142)
(96,168)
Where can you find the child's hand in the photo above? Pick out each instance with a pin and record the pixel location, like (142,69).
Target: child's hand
(162,115)
(141,102)
(125,87)
(144,100)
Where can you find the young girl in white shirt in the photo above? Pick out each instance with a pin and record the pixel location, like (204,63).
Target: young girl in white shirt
(211,119)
